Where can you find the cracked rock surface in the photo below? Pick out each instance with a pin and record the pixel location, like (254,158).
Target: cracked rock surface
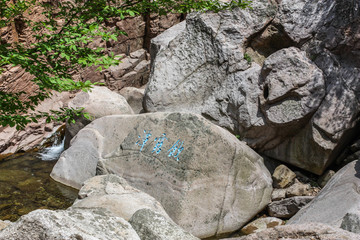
(284,76)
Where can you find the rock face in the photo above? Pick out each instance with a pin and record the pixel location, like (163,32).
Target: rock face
(301,231)
(329,32)
(179,159)
(342,191)
(98,102)
(133,71)
(116,195)
(150,225)
(12,141)
(282,78)
(69,225)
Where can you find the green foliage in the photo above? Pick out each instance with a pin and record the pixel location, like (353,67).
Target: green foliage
(247,57)
(63,35)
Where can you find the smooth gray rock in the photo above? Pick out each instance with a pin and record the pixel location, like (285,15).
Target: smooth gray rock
(340,194)
(116,195)
(101,101)
(287,207)
(207,180)
(74,224)
(98,102)
(301,232)
(150,225)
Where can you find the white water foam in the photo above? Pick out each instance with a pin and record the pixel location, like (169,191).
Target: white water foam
(52,153)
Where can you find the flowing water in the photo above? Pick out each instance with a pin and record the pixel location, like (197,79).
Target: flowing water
(25,184)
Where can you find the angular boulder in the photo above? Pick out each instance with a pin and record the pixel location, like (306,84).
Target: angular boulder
(69,225)
(116,195)
(328,31)
(286,208)
(207,180)
(150,225)
(340,195)
(284,76)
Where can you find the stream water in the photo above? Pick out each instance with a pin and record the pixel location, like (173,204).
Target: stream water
(25,184)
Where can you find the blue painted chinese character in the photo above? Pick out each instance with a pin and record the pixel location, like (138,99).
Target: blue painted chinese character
(176,148)
(160,142)
(144,140)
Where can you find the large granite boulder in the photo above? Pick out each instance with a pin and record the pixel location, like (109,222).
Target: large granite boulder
(207,180)
(116,195)
(339,197)
(301,232)
(98,102)
(69,225)
(282,76)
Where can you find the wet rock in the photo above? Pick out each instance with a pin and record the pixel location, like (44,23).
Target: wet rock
(288,207)
(283,177)
(10,175)
(150,225)
(179,159)
(261,224)
(29,185)
(116,195)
